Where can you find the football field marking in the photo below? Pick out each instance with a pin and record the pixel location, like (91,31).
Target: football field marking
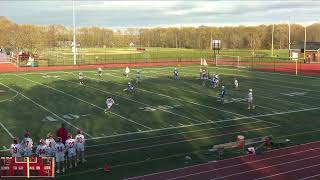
(129,99)
(187,101)
(176,142)
(171,134)
(46,109)
(70,95)
(4,127)
(265,97)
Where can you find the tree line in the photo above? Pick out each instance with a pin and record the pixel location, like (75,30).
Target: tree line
(26,36)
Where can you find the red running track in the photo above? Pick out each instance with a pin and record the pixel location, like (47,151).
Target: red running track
(292,163)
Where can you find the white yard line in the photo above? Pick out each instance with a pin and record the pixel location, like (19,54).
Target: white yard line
(4,127)
(130,120)
(176,142)
(128,99)
(264,97)
(172,134)
(44,108)
(198,104)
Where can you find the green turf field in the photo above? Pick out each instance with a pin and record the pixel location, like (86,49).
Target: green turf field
(163,121)
(64,56)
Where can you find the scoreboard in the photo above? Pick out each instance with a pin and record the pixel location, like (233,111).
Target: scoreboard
(26,167)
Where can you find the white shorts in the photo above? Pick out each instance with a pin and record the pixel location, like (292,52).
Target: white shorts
(72,152)
(250,100)
(80,147)
(59,157)
(109,106)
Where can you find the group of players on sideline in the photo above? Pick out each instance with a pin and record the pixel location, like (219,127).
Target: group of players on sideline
(64,148)
(214,79)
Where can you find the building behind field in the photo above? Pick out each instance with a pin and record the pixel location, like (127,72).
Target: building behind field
(312,51)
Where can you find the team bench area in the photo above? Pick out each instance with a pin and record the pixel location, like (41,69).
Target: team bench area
(250,146)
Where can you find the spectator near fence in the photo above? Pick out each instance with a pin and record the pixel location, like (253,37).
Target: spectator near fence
(63,133)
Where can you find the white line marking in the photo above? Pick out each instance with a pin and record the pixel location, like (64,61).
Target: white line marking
(119,95)
(286,172)
(176,142)
(85,101)
(4,127)
(265,97)
(266,167)
(44,108)
(225,167)
(242,156)
(166,135)
(309,177)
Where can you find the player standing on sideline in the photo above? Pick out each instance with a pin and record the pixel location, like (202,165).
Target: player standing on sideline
(99,71)
(175,73)
(42,149)
(63,133)
(204,77)
(50,142)
(81,78)
(71,148)
(27,144)
(127,71)
(15,148)
(138,77)
(109,103)
(236,84)
(60,153)
(222,94)
(250,99)
(80,141)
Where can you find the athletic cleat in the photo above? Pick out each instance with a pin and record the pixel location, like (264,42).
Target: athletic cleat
(58,172)
(249,107)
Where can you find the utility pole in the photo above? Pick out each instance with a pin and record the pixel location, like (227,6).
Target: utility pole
(272,40)
(74,48)
(305,41)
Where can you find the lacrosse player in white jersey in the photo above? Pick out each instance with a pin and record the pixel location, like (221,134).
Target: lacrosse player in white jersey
(42,149)
(250,100)
(80,142)
(175,73)
(109,104)
(60,151)
(236,84)
(16,148)
(81,78)
(50,142)
(127,71)
(99,71)
(71,148)
(27,144)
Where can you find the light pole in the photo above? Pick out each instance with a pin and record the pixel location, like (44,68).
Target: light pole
(74,48)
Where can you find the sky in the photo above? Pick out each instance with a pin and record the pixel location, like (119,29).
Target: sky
(136,14)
